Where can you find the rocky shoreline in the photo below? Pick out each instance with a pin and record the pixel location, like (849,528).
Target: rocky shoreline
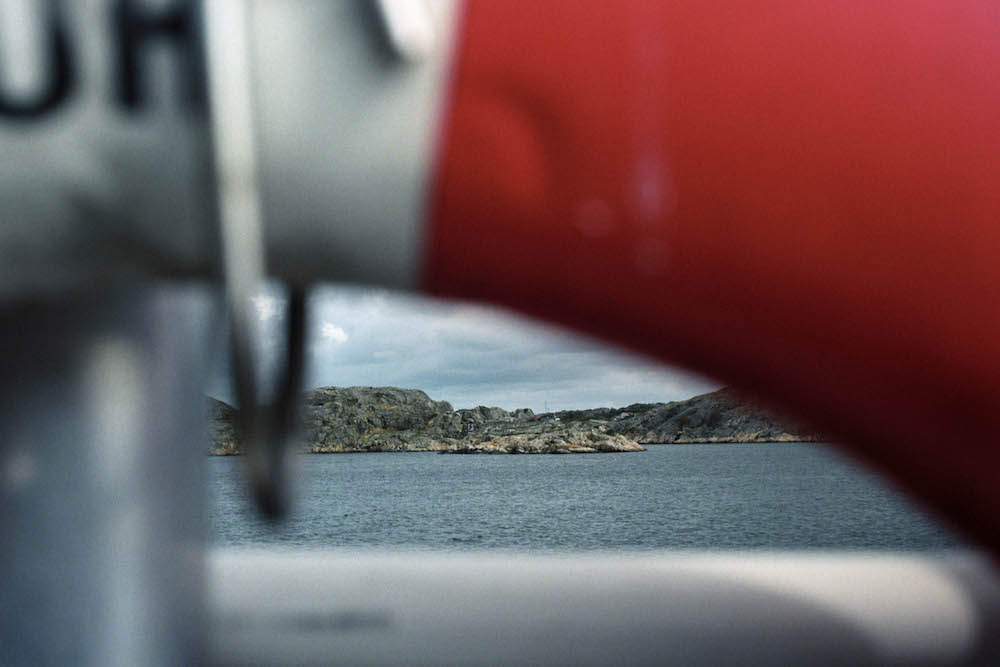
(389,419)
(719,417)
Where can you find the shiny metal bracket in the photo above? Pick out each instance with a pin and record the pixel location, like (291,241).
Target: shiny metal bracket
(265,431)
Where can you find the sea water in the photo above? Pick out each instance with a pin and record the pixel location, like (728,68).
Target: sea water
(671,497)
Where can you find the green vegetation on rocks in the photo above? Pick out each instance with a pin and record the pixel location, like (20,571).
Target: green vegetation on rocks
(389,419)
(721,416)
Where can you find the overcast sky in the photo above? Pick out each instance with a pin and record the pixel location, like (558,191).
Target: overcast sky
(467,355)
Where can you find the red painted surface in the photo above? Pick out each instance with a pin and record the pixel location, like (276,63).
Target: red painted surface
(802,199)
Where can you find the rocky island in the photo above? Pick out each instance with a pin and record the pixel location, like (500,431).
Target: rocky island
(721,416)
(389,419)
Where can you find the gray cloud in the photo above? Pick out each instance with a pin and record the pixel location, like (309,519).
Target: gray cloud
(466,354)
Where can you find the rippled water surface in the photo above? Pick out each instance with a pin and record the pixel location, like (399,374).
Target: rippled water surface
(781,496)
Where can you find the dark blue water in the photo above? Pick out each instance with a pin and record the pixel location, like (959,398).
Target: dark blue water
(759,496)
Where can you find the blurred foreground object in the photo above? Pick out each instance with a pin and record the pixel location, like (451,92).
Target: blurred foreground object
(101,543)
(802,202)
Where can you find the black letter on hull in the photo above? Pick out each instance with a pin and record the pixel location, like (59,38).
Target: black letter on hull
(59,76)
(137,26)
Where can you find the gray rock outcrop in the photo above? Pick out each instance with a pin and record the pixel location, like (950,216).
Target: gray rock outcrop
(389,419)
(721,416)
(222,429)
(376,419)
(547,438)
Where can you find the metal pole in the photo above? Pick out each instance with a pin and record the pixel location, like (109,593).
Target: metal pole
(101,488)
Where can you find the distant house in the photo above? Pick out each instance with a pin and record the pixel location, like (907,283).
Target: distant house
(623,415)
